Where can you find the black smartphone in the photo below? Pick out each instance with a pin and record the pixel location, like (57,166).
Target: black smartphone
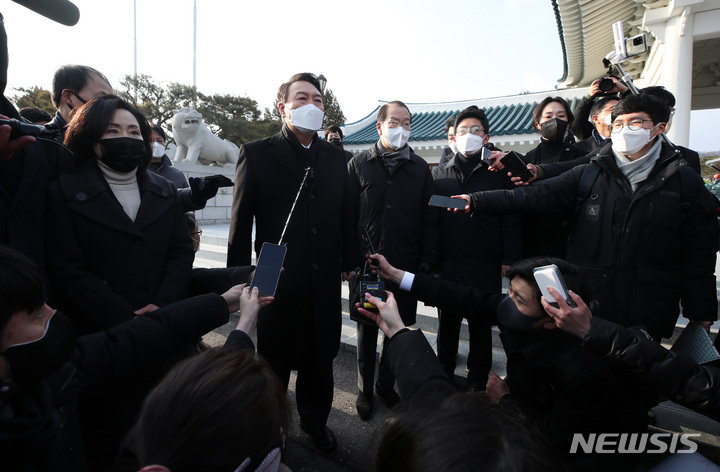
(221,180)
(447,202)
(514,163)
(486,154)
(269,266)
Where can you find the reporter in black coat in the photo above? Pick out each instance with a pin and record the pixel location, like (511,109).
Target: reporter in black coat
(116,240)
(301,329)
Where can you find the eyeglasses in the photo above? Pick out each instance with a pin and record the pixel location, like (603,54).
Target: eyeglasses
(634,125)
(476,130)
(395,124)
(198,232)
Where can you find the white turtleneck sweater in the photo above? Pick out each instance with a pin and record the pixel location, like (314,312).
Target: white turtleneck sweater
(124,187)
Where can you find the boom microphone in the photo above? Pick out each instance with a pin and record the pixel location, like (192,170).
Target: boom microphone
(61,11)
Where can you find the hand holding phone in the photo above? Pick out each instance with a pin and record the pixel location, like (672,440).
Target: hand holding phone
(269,266)
(447,202)
(550,275)
(514,163)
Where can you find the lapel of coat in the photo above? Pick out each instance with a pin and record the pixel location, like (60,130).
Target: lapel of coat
(155,200)
(86,195)
(282,152)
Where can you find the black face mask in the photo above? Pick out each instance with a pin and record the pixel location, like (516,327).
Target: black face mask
(122,154)
(33,361)
(336,142)
(554,130)
(510,318)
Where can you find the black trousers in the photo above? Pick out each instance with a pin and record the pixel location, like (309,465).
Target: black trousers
(366,355)
(314,388)
(479,361)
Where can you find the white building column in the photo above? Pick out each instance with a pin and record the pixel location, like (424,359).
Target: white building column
(677,72)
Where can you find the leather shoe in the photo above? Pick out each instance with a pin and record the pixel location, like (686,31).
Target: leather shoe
(322,436)
(389,396)
(364,405)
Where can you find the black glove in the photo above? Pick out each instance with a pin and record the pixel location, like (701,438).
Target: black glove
(202,190)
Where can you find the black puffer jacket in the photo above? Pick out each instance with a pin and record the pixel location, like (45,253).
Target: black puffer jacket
(546,235)
(393,205)
(472,249)
(677,377)
(643,251)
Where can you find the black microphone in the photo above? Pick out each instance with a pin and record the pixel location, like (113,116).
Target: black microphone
(61,11)
(28,129)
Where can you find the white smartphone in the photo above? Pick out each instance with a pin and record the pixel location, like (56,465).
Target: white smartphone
(550,275)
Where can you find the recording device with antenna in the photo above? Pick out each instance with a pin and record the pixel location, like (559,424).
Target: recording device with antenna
(370,283)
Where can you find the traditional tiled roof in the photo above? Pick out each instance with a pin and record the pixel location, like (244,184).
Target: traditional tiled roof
(509,119)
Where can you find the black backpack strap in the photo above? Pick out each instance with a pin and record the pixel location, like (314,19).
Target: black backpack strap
(587,180)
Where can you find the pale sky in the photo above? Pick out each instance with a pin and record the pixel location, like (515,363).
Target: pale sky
(414,51)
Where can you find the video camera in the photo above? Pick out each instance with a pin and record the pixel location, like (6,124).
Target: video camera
(624,49)
(19,128)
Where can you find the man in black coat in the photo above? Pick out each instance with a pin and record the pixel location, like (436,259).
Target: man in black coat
(474,251)
(301,330)
(390,188)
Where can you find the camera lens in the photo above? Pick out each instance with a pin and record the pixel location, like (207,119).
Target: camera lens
(606,84)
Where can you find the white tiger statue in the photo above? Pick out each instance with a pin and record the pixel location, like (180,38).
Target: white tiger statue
(194,140)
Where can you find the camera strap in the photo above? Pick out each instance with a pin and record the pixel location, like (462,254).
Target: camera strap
(287,222)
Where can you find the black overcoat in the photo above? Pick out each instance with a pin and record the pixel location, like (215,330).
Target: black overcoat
(303,324)
(393,206)
(102,265)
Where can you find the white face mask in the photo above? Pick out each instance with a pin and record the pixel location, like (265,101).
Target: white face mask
(453,147)
(396,138)
(628,142)
(158,150)
(469,144)
(307,119)
(608,119)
